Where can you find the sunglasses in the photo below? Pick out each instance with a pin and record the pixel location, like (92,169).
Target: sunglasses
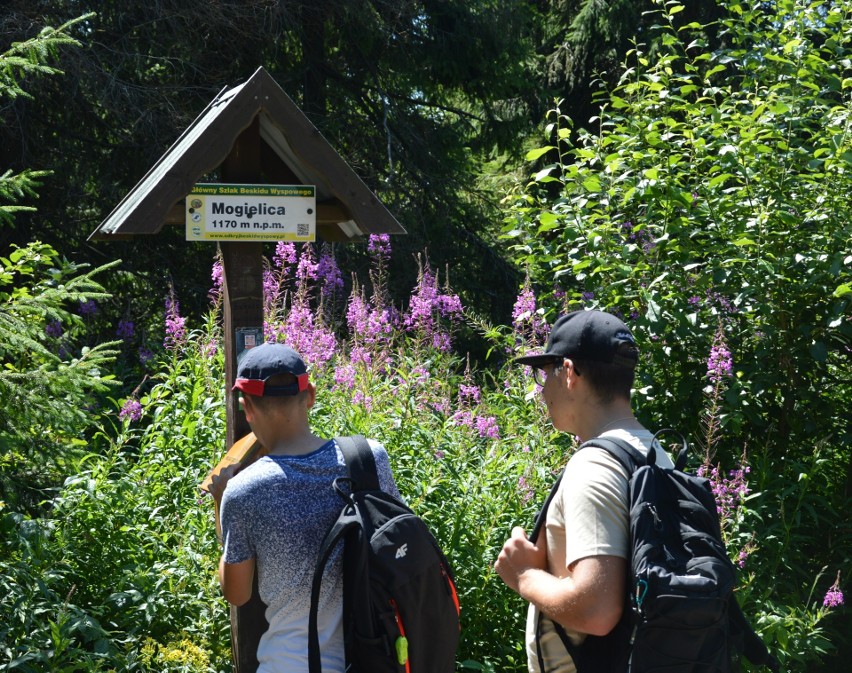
(540,374)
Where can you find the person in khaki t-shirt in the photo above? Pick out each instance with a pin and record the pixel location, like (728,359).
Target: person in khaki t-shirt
(575,574)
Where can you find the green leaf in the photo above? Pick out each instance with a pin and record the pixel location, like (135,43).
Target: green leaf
(548,221)
(842,290)
(532,155)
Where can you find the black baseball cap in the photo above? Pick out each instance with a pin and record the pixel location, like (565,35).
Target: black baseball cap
(586,335)
(257,365)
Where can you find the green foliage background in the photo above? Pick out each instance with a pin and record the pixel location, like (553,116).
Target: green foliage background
(708,204)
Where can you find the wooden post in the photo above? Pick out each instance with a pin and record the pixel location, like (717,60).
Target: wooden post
(242,270)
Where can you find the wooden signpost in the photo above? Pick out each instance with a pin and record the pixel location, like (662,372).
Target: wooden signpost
(251,135)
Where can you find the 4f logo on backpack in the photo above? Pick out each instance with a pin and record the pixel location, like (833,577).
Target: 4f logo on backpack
(401,611)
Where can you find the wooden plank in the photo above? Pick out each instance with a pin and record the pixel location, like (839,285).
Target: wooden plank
(242,271)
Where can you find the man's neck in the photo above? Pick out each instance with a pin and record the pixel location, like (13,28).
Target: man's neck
(295,444)
(600,419)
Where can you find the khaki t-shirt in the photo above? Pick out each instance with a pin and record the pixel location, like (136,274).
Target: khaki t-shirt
(587,517)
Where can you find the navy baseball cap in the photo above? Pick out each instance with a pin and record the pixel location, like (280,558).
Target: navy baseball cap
(586,335)
(257,365)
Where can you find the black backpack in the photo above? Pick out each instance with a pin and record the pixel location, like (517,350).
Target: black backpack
(680,614)
(400,607)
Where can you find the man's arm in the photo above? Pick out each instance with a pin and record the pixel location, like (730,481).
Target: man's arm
(236,580)
(590,601)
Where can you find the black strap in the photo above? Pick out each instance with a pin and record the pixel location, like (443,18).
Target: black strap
(360,462)
(631,458)
(542,513)
(361,465)
(624,452)
(345,525)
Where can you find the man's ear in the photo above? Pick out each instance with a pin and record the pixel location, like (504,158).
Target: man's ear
(570,373)
(311,395)
(248,407)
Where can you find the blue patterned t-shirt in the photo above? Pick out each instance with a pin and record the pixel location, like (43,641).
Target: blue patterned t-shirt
(277,511)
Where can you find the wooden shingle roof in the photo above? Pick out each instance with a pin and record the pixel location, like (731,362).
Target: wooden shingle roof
(346,207)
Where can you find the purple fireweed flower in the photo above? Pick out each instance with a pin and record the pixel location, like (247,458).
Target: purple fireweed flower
(486,426)
(834,596)
(210,348)
(371,327)
(742,557)
(306,269)
(131,411)
(744,553)
(469,394)
(525,489)
(285,255)
(730,491)
(381,323)
(721,302)
(833,599)
(310,338)
(358,315)
(344,377)
(719,363)
(125,329)
(359,354)
(449,305)
(53,329)
(175,325)
(379,246)
(329,274)
(463,417)
(524,307)
(422,303)
(420,375)
(88,308)
(525,319)
(360,398)
(441,340)
(427,304)
(271,291)
(217,274)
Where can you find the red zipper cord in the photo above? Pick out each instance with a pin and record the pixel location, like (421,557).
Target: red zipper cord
(452,592)
(401,631)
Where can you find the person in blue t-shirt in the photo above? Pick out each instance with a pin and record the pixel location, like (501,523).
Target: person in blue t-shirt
(275,513)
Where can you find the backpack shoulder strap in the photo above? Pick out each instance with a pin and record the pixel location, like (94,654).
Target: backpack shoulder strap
(360,462)
(624,452)
(542,513)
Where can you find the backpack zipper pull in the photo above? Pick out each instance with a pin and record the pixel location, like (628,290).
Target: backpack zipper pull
(658,523)
(400,645)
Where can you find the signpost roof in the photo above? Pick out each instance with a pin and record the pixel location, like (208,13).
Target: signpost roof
(346,207)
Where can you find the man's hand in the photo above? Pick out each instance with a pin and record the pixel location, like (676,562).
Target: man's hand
(518,556)
(220,481)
